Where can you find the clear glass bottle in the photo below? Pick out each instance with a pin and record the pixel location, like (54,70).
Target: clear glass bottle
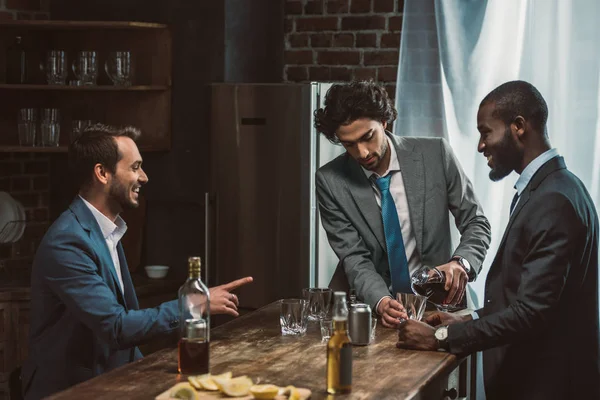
(194,316)
(339,349)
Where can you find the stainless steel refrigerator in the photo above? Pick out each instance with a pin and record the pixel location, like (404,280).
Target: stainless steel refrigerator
(261,214)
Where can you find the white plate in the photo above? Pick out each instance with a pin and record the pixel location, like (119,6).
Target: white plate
(7,214)
(20,225)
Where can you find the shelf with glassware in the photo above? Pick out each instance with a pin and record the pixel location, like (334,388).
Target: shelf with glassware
(117,73)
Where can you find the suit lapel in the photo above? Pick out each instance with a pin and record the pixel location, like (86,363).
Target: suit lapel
(545,170)
(89,223)
(361,190)
(413,175)
(130,297)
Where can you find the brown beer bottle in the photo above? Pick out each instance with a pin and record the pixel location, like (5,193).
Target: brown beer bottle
(339,349)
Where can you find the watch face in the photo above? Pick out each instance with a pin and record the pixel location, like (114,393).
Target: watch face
(441,333)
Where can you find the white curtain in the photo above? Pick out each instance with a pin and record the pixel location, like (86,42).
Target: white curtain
(454,52)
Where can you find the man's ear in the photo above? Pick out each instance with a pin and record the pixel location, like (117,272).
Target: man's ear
(101,173)
(384,123)
(518,127)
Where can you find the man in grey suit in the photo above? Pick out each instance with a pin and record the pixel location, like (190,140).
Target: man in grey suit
(384,203)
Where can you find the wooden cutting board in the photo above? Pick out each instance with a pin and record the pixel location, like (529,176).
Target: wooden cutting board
(206,395)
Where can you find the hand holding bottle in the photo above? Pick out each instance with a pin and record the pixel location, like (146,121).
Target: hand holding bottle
(222,301)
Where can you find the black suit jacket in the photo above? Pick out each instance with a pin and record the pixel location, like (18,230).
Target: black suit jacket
(539,325)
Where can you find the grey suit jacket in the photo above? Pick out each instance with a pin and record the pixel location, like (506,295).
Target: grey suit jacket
(434,183)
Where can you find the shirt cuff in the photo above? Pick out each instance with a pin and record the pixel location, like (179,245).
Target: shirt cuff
(377,305)
(474,315)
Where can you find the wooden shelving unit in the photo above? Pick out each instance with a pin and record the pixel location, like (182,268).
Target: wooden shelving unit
(146,104)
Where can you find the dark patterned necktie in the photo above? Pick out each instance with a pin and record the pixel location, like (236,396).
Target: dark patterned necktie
(513,203)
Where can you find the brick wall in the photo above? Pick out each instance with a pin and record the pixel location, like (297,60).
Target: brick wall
(342,40)
(24,175)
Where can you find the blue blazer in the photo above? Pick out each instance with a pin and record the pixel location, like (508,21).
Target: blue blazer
(81,323)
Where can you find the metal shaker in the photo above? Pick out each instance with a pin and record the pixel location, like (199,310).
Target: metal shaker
(359,324)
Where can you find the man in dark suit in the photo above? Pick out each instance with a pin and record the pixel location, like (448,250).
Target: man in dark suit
(384,234)
(539,325)
(85,317)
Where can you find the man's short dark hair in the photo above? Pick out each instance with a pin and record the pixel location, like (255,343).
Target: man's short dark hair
(516,98)
(345,103)
(97,145)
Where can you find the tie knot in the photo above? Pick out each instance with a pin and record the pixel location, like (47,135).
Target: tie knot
(384,183)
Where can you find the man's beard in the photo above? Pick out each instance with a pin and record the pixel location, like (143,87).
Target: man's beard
(506,157)
(121,195)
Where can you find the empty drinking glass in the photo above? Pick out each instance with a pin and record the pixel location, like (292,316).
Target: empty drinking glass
(27,126)
(319,302)
(326,328)
(413,304)
(293,317)
(85,68)
(50,127)
(373,326)
(55,67)
(78,126)
(119,68)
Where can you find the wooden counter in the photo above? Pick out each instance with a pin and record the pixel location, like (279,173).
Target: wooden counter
(252,345)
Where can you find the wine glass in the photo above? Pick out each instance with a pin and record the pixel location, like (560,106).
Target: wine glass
(430,282)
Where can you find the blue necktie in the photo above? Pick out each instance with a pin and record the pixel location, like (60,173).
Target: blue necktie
(393,239)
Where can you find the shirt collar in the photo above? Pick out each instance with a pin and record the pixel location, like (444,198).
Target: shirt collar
(116,229)
(394,163)
(532,168)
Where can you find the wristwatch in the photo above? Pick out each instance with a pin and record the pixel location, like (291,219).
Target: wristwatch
(466,265)
(441,335)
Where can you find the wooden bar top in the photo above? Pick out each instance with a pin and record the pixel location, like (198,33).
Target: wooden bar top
(252,345)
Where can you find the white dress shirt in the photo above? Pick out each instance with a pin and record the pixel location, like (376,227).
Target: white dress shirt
(399,195)
(112,232)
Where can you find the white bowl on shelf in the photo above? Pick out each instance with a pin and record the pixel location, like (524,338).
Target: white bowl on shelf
(156,271)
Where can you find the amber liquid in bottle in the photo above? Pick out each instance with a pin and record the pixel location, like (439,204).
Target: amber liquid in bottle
(339,350)
(193,357)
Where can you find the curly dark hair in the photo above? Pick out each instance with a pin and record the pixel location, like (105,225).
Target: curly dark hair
(345,103)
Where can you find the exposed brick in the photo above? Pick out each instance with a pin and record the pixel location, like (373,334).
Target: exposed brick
(360,6)
(338,6)
(391,91)
(340,74)
(293,7)
(395,24)
(320,40)
(40,183)
(33,5)
(319,73)
(41,16)
(390,40)
(27,199)
(288,25)
(5,156)
(23,156)
(44,199)
(338,57)
(381,57)
(6,16)
(20,184)
(296,74)
(5,184)
(316,24)
(299,57)
(8,168)
(366,40)
(400,7)
(314,7)
(387,74)
(364,74)
(343,40)
(363,23)
(381,6)
(36,167)
(24,16)
(298,40)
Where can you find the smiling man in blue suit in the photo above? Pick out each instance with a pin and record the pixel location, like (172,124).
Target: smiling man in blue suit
(85,317)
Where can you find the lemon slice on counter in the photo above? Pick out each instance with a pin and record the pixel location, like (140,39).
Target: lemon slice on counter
(193,380)
(264,391)
(207,382)
(224,375)
(236,387)
(184,391)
